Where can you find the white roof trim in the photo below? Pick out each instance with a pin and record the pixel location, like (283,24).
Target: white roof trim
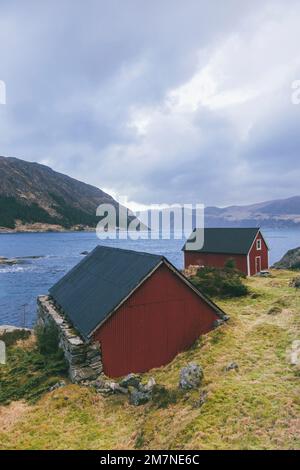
(258,231)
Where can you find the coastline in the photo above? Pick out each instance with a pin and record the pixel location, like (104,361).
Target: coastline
(44,228)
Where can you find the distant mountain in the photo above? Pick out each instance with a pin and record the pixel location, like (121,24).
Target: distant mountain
(277,213)
(272,214)
(35,197)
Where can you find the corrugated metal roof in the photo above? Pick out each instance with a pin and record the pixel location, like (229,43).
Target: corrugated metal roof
(98,284)
(225,240)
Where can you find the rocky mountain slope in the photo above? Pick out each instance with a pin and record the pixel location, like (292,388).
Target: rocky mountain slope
(33,196)
(291,260)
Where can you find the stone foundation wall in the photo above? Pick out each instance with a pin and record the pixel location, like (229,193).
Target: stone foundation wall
(84,358)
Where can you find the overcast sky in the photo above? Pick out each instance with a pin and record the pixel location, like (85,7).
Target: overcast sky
(162,101)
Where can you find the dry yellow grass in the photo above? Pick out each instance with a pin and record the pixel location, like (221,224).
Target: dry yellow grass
(256,407)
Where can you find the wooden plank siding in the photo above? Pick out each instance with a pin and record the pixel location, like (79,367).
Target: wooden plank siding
(162,318)
(263,253)
(217,260)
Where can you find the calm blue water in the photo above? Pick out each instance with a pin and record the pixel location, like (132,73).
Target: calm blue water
(21,284)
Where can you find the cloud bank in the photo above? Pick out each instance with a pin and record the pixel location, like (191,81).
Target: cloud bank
(162,102)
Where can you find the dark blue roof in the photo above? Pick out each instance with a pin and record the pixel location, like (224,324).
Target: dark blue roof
(225,240)
(99,283)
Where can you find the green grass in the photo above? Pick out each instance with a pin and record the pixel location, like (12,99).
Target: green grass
(11,337)
(28,374)
(224,282)
(256,407)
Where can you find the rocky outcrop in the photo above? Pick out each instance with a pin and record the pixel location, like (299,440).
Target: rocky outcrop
(295,283)
(84,358)
(131,380)
(131,385)
(291,260)
(139,397)
(190,376)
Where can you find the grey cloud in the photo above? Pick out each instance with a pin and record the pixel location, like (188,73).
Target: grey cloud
(75,71)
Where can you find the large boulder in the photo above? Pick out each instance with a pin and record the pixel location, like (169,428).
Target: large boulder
(131,380)
(150,384)
(139,393)
(190,376)
(139,397)
(291,260)
(116,388)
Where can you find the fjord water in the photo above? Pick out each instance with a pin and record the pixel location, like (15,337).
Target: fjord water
(51,255)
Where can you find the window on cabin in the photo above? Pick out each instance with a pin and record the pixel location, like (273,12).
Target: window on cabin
(258,244)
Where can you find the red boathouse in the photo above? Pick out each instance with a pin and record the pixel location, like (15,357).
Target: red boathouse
(246,246)
(138,306)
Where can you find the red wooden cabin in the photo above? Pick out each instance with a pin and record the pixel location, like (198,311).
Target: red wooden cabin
(138,306)
(246,246)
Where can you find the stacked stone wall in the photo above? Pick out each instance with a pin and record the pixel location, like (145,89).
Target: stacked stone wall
(83,357)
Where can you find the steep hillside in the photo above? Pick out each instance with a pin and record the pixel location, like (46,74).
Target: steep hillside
(291,260)
(34,195)
(254,407)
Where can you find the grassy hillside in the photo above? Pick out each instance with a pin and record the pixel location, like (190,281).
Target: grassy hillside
(256,407)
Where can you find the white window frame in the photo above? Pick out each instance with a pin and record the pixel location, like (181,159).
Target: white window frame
(258,244)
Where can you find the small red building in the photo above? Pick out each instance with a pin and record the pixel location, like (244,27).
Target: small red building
(138,306)
(246,246)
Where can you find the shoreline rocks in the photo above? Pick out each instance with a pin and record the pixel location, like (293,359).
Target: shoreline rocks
(9,261)
(18,260)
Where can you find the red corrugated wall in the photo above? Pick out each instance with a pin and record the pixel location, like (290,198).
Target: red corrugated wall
(217,260)
(263,253)
(162,318)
